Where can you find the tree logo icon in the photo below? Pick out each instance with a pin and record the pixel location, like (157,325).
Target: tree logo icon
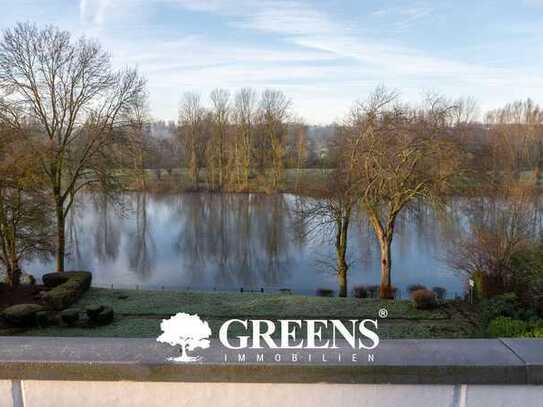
(187,331)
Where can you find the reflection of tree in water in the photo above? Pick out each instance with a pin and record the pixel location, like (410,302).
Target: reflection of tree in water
(107,233)
(141,247)
(190,213)
(233,238)
(276,240)
(72,245)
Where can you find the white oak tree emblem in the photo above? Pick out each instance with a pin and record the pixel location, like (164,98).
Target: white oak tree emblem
(188,331)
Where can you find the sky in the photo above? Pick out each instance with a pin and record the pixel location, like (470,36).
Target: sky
(324,55)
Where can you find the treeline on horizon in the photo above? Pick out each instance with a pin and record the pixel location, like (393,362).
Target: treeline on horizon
(70,122)
(243,134)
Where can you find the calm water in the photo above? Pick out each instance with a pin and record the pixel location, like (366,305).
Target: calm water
(228,241)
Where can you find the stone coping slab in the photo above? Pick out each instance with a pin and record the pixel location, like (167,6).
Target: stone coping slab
(531,353)
(455,361)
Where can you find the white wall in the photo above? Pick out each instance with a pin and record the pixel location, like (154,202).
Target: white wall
(31,393)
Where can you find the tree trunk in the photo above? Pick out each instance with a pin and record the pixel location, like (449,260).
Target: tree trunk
(61,239)
(341,253)
(342,277)
(385,290)
(14,274)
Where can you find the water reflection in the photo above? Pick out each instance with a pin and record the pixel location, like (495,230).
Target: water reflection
(229,241)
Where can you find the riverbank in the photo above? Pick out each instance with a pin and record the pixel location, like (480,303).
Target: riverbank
(139,313)
(178,180)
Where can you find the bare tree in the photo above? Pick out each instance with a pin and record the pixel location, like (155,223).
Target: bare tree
(398,155)
(76,101)
(301,150)
(24,202)
(135,147)
(274,112)
(332,207)
(220,99)
(244,115)
(502,227)
(191,122)
(516,134)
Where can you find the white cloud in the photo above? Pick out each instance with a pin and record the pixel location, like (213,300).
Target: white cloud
(93,11)
(323,61)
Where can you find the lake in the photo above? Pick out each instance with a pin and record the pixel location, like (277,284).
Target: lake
(206,241)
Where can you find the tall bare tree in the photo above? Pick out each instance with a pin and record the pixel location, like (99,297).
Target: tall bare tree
(274,112)
(516,134)
(398,155)
(220,99)
(76,100)
(244,116)
(191,123)
(24,202)
(134,148)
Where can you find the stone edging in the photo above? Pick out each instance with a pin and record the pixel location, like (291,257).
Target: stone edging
(455,361)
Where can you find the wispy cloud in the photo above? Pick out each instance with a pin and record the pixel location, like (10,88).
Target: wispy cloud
(314,53)
(93,11)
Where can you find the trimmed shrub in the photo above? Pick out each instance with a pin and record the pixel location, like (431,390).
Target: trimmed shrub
(66,288)
(104,317)
(505,327)
(70,316)
(440,292)
(325,292)
(424,299)
(415,287)
(373,291)
(52,280)
(360,291)
(93,310)
(23,315)
(369,291)
(42,318)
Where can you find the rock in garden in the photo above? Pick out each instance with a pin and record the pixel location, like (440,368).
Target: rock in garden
(23,315)
(70,316)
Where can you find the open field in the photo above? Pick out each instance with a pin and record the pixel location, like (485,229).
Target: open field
(139,313)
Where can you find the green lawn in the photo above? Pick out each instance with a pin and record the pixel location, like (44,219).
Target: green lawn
(138,313)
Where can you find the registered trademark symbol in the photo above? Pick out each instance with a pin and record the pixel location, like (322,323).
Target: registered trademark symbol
(383,313)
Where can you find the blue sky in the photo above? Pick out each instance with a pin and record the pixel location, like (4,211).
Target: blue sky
(323,54)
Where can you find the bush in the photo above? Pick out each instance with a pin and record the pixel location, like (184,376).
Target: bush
(325,292)
(360,291)
(66,288)
(424,299)
(505,305)
(70,316)
(440,292)
(415,287)
(506,327)
(373,291)
(23,315)
(536,332)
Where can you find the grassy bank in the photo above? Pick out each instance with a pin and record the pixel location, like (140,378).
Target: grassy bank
(138,313)
(178,180)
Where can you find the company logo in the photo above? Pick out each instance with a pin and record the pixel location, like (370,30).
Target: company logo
(189,332)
